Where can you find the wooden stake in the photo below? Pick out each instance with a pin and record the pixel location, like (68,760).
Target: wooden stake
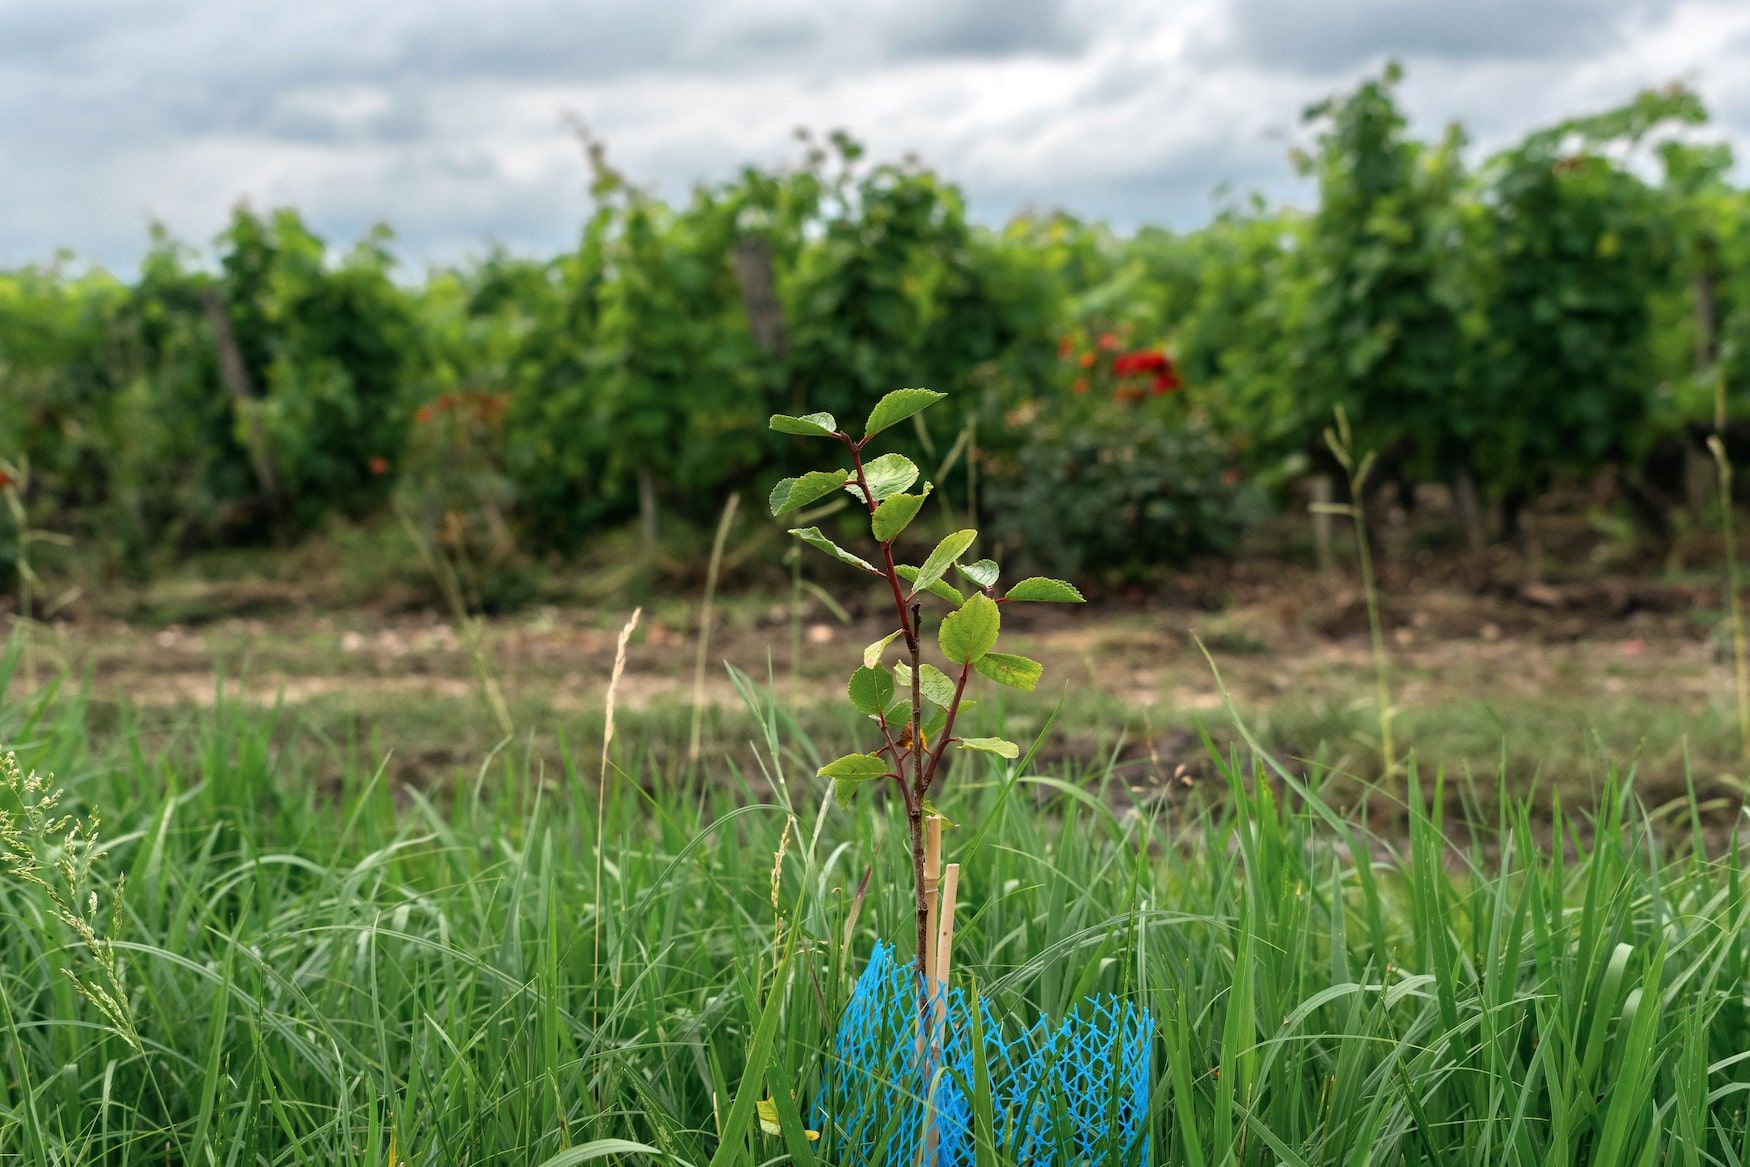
(945,937)
(937,963)
(932,882)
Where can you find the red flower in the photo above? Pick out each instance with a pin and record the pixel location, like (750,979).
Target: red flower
(379,466)
(1144,362)
(1168,381)
(422,414)
(1108,341)
(1081,385)
(1066,347)
(5,480)
(1088,360)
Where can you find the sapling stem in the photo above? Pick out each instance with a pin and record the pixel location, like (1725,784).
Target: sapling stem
(947,728)
(913,738)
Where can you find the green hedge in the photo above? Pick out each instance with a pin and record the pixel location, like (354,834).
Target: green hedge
(1528,318)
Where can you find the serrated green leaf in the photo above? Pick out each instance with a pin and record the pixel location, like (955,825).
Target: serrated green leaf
(888,475)
(990,745)
(936,686)
(896,513)
(854,767)
(981,574)
(809,425)
(1043,590)
(870,689)
(946,552)
(968,632)
(813,537)
(844,789)
(897,406)
(1006,668)
(792,493)
(872,654)
(942,588)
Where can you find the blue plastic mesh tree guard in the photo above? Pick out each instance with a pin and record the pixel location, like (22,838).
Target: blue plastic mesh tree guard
(1073,1092)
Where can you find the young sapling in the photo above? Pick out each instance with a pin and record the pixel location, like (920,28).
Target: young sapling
(912,744)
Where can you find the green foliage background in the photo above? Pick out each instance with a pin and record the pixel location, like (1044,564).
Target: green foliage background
(1523,320)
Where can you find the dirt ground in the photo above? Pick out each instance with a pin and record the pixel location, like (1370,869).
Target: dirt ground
(1492,664)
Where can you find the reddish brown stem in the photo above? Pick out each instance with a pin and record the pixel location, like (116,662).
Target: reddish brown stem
(908,627)
(947,734)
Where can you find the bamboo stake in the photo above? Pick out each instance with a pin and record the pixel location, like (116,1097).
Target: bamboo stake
(929,992)
(941,959)
(932,882)
(945,938)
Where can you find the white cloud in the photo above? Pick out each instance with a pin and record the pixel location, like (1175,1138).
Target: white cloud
(444,118)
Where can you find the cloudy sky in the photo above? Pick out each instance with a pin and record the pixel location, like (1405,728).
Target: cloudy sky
(446,117)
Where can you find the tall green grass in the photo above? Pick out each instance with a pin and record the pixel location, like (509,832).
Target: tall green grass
(323,970)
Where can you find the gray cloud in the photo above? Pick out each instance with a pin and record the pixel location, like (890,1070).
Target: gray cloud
(545,39)
(443,118)
(1318,36)
(986,28)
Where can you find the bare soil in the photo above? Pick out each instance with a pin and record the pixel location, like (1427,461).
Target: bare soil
(1493,660)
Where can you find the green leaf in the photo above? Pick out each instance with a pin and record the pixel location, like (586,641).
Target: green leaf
(1051,591)
(813,537)
(897,406)
(981,574)
(888,475)
(1006,668)
(946,552)
(854,767)
(809,425)
(946,590)
(799,492)
(844,789)
(599,1149)
(933,683)
(872,654)
(896,513)
(781,1119)
(968,632)
(990,745)
(936,722)
(930,812)
(870,689)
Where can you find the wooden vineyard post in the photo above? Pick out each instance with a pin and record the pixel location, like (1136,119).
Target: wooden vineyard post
(752,259)
(235,375)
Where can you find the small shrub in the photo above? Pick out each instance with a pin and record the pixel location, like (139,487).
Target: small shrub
(1114,489)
